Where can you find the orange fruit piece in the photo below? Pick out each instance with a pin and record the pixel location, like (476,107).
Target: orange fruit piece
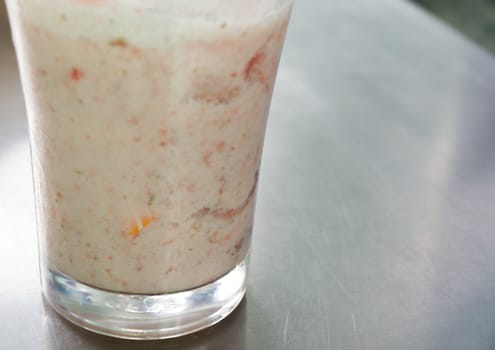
(140,224)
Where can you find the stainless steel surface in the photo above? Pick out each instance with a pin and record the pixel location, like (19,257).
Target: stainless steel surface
(376,209)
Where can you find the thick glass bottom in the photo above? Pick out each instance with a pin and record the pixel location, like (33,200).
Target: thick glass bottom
(137,316)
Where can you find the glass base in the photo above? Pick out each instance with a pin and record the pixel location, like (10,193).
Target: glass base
(137,316)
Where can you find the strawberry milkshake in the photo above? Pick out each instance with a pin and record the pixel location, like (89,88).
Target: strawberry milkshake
(147,121)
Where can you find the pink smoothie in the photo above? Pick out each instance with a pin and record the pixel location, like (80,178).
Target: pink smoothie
(147,126)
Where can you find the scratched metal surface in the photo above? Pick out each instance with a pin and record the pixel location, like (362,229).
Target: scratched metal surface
(375,220)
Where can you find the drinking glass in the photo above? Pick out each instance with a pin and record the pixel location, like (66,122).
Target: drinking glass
(146,122)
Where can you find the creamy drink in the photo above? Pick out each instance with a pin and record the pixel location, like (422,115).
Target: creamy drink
(147,121)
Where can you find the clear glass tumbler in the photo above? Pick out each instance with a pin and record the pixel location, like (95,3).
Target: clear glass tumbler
(147,121)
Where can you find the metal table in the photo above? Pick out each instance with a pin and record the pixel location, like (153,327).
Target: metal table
(376,211)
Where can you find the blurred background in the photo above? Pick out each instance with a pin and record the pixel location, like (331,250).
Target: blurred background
(3,14)
(474,18)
